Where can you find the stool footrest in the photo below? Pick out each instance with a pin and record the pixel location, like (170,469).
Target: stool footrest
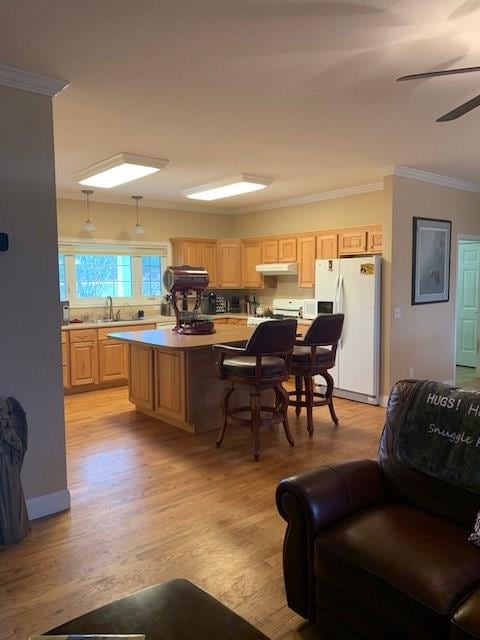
(275,418)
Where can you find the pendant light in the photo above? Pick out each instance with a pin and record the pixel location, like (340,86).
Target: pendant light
(89,225)
(137,229)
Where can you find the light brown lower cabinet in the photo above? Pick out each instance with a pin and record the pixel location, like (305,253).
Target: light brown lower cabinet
(65,361)
(231,321)
(90,357)
(169,376)
(83,363)
(141,382)
(112,360)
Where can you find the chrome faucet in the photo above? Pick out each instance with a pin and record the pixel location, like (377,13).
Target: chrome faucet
(109,308)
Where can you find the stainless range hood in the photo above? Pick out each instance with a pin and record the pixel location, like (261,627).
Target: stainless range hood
(277,268)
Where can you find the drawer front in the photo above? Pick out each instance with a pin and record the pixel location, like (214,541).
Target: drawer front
(83,335)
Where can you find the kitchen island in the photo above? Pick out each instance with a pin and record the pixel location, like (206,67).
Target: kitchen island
(172,376)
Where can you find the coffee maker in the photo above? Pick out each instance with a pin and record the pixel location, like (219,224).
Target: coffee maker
(211,302)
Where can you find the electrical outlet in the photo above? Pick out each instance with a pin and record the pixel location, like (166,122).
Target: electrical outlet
(397,313)
(410,374)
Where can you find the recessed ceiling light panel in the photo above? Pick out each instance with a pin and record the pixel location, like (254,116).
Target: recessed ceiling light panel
(122,168)
(227,187)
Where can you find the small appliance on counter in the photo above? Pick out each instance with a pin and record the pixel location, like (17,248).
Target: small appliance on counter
(180,281)
(165,307)
(221,304)
(313,307)
(235,304)
(65,311)
(210,302)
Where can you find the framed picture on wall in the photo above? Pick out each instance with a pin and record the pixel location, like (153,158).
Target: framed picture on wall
(431,260)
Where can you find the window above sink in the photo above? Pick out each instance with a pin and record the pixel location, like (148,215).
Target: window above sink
(129,274)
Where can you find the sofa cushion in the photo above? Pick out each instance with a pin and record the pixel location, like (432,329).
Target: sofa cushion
(466,620)
(397,553)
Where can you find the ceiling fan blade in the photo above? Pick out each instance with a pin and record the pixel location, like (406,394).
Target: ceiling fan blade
(434,74)
(461,110)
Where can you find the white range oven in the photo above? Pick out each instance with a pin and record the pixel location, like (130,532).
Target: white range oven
(282,308)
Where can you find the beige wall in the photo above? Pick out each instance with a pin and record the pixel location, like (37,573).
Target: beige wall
(424,337)
(116,221)
(387,207)
(350,211)
(30,362)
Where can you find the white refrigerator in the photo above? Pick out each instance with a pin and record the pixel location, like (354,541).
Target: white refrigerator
(352,286)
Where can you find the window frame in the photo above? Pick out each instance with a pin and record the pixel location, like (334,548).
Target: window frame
(70,247)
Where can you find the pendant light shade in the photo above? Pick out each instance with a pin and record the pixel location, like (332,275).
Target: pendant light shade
(137,229)
(89,224)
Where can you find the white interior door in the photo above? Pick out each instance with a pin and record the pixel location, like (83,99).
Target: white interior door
(467,303)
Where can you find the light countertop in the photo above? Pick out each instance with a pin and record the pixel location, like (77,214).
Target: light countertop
(163,320)
(119,323)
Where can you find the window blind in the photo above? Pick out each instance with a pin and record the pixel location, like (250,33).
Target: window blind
(157,249)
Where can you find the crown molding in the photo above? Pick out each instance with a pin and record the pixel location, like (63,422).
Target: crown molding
(402,171)
(153,204)
(33,82)
(313,197)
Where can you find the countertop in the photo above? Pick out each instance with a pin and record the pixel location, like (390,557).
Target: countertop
(119,323)
(155,320)
(168,339)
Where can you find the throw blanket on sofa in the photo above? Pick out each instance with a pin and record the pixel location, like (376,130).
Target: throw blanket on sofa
(439,434)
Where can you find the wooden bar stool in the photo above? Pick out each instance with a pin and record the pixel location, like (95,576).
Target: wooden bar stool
(263,363)
(311,358)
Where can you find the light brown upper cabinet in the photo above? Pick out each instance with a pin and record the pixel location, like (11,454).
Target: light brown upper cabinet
(375,240)
(197,253)
(230,264)
(251,256)
(287,250)
(327,246)
(209,261)
(352,242)
(270,250)
(306,261)
(186,252)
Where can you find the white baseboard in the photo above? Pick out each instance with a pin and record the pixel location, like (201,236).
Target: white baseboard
(48,504)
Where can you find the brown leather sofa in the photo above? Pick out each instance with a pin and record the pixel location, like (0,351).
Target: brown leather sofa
(382,548)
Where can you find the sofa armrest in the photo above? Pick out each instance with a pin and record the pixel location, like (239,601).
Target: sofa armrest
(311,502)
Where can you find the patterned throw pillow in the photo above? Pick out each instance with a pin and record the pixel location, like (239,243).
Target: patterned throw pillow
(474,537)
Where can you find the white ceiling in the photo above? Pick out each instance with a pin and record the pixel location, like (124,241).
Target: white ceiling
(303,91)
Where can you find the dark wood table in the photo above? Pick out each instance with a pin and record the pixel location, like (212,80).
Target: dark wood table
(175,610)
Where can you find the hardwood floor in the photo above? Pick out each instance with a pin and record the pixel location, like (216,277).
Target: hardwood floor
(151,502)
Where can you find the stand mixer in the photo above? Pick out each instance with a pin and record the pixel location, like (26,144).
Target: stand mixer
(180,281)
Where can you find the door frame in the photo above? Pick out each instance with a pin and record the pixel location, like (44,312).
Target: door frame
(461,237)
